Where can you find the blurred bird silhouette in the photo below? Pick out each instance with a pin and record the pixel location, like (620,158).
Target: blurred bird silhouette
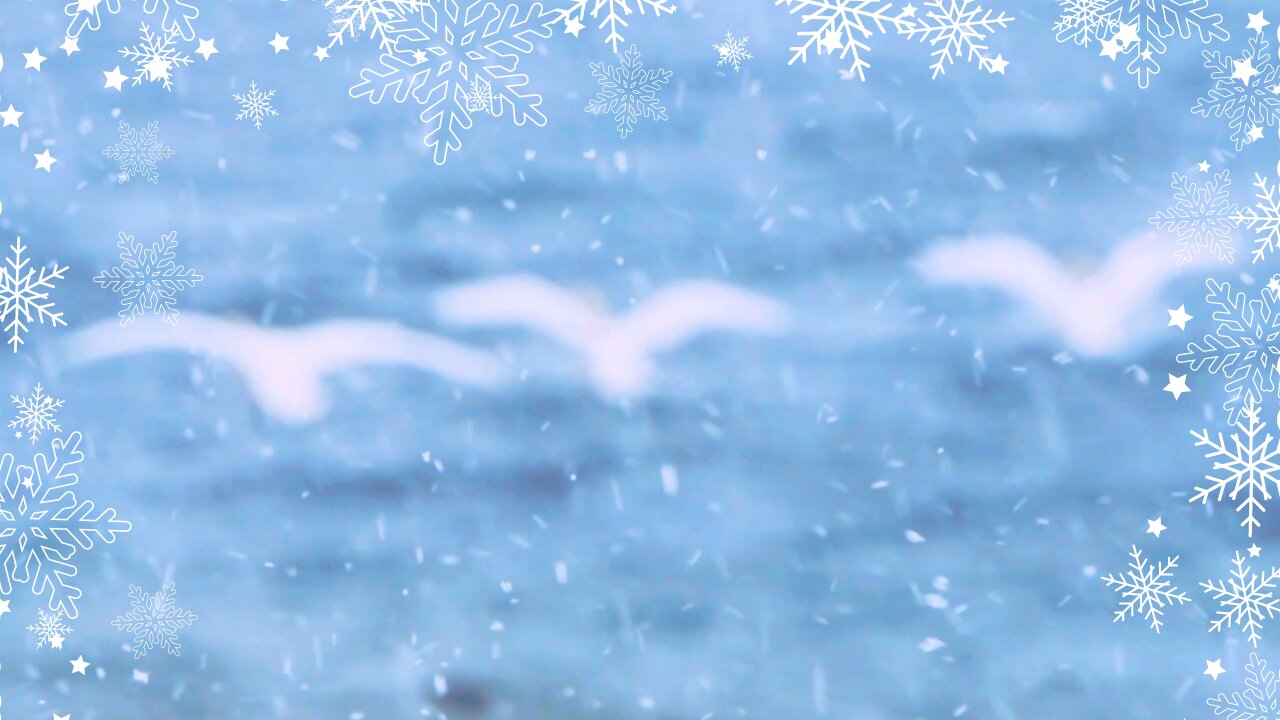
(284,368)
(1101,313)
(618,350)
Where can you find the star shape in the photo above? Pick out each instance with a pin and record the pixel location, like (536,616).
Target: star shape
(1254,550)
(1155,527)
(1179,317)
(56,716)
(70,45)
(45,161)
(321,53)
(79,665)
(1274,284)
(55,641)
(1255,133)
(206,48)
(1128,34)
(1213,668)
(573,27)
(10,116)
(1204,166)
(280,43)
(831,41)
(157,69)
(115,79)
(4,607)
(1110,48)
(87,5)
(1257,21)
(909,10)
(1245,70)
(998,65)
(34,58)
(1177,385)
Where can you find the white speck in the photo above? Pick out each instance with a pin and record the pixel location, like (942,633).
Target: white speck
(562,573)
(914,537)
(670,479)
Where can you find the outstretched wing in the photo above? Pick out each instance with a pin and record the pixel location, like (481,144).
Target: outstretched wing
(678,312)
(1012,265)
(346,344)
(197,334)
(524,301)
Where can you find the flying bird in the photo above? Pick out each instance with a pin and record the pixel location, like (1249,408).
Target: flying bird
(1097,314)
(284,368)
(619,350)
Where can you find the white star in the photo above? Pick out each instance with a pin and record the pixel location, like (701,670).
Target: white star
(831,41)
(206,48)
(1177,385)
(572,26)
(56,716)
(1213,668)
(1274,284)
(34,58)
(1244,70)
(55,641)
(909,10)
(87,5)
(79,665)
(998,65)
(1204,166)
(1257,22)
(1155,527)
(1128,35)
(1179,317)
(321,53)
(1255,133)
(70,45)
(10,117)
(1254,550)
(1110,48)
(157,69)
(4,606)
(280,43)
(115,79)
(45,161)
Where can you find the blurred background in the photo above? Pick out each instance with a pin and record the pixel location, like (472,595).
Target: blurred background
(899,509)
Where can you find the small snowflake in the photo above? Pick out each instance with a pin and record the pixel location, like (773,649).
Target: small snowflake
(1145,589)
(1259,701)
(375,18)
(611,14)
(1245,600)
(138,152)
(50,630)
(154,620)
(1263,218)
(960,28)
(148,279)
(1244,91)
(24,296)
(1202,216)
(628,91)
(255,105)
(1084,21)
(35,414)
(480,96)
(843,26)
(732,51)
(155,57)
(1244,347)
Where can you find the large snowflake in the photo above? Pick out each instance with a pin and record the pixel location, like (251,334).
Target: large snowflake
(138,152)
(1245,600)
(43,525)
(24,295)
(1202,216)
(1244,91)
(609,14)
(50,629)
(1137,28)
(158,52)
(628,91)
(376,19)
(148,279)
(155,56)
(1259,701)
(1146,589)
(1263,218)
(441,48)
(1245,465)
(958,29)
(35,414)
(1244,348)
(154,620)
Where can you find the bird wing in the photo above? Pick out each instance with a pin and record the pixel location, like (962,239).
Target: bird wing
(1011,264)
(344,344)
(521,300)
(1138,270)
(196,333)
(680,311)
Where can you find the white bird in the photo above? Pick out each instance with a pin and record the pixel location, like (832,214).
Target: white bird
(1097,314)
(618,350)
(284,368)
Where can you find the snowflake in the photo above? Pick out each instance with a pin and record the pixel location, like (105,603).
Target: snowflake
(1245,91)
(960,27)
(155,57)
(256,105)
(1250,466)
(732,50)
(1259,702)
(844,26)
(35,414)
(1245,600)
(154,620)
(375,18)
(42,524)
(1244,348)
(628,91)
(50,629)
(1137,27)
(480,96)
(1202,216)
(1263,218)
(24,295)
(138,152)
(612,17)
(1145,589)
(148,279)
(440,51)
(176,16)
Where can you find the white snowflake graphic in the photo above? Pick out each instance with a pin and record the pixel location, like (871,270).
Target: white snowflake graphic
(1202,216)
(1146,589)
(1244,91)
(1259,701)
(255,105)
(480,96)
(155,57)
(732,51)
(376,19)
(1246,464)
(154,620)
(43,525)
(958,29)
(843,26)
(1263,218)
(1245,600)
(35,414)
(138,152)
(50,630)
(147,279)
(1137,28)
(610,15)
(441,48)
(24,295)
(628,91)
(1244,347)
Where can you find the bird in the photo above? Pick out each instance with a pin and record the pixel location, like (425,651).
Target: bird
(284,368)
(1098,314)
(619,351)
